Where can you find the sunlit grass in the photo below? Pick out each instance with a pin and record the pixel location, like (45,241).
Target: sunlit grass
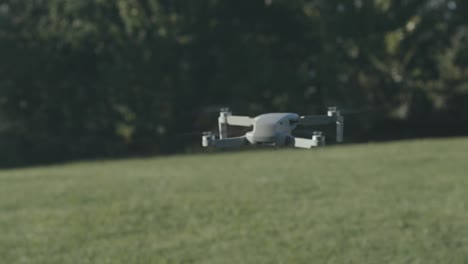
(403,202)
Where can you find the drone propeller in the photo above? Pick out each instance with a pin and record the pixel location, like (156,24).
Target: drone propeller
(213,109)
(354,111)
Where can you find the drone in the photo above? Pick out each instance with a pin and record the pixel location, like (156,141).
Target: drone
(273,129)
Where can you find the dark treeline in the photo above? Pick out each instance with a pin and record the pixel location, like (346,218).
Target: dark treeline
(106,78)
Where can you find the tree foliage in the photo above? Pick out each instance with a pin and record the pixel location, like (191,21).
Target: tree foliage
(102,77)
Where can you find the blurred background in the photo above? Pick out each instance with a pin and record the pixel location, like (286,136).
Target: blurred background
(118,78)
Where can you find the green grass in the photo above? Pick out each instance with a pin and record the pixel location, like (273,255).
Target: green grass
(403,202)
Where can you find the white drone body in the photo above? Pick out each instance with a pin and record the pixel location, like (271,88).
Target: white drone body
(273,129)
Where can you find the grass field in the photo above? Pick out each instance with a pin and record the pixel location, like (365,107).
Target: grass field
(404,202)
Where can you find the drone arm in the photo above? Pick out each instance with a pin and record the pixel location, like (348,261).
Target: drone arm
(226,118)
(210,141)
(333,116)
(304,143)
(316,141)
(239,121)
